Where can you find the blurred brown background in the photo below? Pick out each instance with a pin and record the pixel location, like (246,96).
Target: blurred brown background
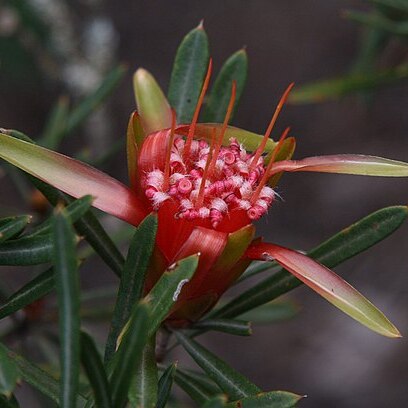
(321,352)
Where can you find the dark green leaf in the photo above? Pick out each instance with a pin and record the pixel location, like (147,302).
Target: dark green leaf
(143,391)
(39,379)
(166,291)
(234,69)
(371,45)
(273,399)
(10,227)
(234,384)
(91,229)
(74,211)
(56,125)
(342,246)
(379,22)
(396,4)
(192,387)
(95,99)
(324,90)
(235,327)
(67,285)
(201,378)
(34,290)
(132,278)
(129,353)
(165,384)
(95,371)
(188,73)
(9,373)
(26,251)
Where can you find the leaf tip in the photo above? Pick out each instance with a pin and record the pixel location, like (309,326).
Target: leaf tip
(201,25)
(243,50)
(140,74)
(394,333)
(59,208)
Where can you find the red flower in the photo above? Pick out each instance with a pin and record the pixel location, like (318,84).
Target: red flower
(207,183)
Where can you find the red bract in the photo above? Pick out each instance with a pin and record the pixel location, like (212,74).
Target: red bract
(207,183)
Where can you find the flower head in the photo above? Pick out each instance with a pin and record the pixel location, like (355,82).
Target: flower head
(207,183)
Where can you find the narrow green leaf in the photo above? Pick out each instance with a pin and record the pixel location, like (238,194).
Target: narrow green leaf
(234,69)
(379,22)
(396,4)
(73,212)
(9,373)
(94,233)
(143,391)
(342,246)
(95,371)
(234,384)
(129,354)
(165,385)
(372,44)
(272,312)
(34,290)
(67,285)
(188,72)
(95,99)
(235,327)
(26,251)
(39,379)
(89,227)
(273,399)
(166,291)
(216,402)
(192,387)
(330,89)
(11,227)
(201,378)
(56,125)
(132,278)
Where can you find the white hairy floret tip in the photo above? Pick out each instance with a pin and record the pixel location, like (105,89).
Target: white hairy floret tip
(231,184)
